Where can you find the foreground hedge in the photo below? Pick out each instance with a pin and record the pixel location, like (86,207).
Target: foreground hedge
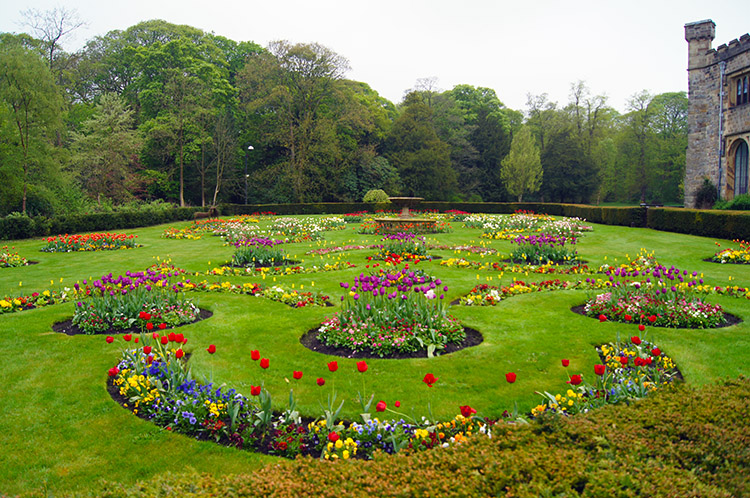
(706,223)
(686,442)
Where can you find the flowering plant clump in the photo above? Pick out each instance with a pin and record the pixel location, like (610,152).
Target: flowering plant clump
(517,268)
(404,245)
(642,263)
(257,251)
(490,295)
(279,270)
(629,370)
(134,299)
(299,230)
(543,248)
(333,249)
(739,256)
(565,227)
(189,233)
(457,215)
(11,259)
(468,249)
(89,242)
(295,298)
(34,300)
(388,313)
(356,217)
(662,306)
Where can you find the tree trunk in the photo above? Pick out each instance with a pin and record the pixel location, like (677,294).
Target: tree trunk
(182,170)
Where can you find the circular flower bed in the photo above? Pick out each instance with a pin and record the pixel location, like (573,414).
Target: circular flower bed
(386,313)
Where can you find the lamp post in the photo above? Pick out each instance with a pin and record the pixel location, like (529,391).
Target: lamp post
(249,148)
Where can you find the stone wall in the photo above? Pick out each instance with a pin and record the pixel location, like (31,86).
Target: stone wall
(707,153)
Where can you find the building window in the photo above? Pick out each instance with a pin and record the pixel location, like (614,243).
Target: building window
(740,169)
(742,95)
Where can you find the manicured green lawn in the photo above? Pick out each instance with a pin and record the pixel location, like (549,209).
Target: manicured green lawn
(62,432)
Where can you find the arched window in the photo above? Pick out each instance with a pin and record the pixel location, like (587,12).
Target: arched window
(740,168)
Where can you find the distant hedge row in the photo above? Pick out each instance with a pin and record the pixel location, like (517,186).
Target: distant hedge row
(23,227)
(707,223)
(685,442)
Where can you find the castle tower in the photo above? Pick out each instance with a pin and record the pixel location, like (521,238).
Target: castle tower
(718,113)
(702,160)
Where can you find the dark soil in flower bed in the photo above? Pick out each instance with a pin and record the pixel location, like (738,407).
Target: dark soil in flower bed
(310,341)
(68,328)
(729,319)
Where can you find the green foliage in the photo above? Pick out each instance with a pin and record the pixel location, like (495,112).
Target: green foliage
(739,203)
(521,170)
(706,195)
(569,174)
(375,196)
(725,225)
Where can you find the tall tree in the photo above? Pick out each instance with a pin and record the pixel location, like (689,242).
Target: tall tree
(521,169)
(569,174)
(34,107)
(53,27)
(106,151)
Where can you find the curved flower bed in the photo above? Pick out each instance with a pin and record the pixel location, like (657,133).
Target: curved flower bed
(11,259)
(739,256)
(544,248)
(661,306)
(278,270)
(89,242)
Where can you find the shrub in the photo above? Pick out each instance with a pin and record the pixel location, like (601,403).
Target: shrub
(739,203)
(706,195)
(376,196)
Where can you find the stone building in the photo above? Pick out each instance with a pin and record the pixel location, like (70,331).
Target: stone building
(718,112)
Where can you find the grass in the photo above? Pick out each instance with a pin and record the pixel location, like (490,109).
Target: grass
(61,432)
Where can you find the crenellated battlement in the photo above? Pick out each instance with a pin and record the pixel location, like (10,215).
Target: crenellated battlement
(732,49)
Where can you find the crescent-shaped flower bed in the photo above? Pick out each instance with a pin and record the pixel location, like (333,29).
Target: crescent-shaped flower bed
(152,378)
(739,256)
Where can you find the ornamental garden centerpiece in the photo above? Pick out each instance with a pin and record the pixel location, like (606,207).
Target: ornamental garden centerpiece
(406,222)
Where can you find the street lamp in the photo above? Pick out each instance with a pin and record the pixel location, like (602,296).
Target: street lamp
(249,148)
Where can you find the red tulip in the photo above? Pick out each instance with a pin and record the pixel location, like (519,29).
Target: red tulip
(110,339)
(264,363)
(147,349)
(381,406)
(397,404)
(565,363)
(113,371)
(628,318)
(172,337)
(624,360)
(144,316)
(321,381)
(127,337)
(636,340)
(297,375)
(467,411)
(656,352)
(255,355)
(333,366)
(150,359)
(575,380)
(510,377)
(179,353)
(211,349)
(599,369)
(602,318)
(179,338)
(155,335)
(641,327)
(429,379)
(254,390)
(652,318)
(135,340)
(165,340)
(362,366)
(333,436)
(162,326)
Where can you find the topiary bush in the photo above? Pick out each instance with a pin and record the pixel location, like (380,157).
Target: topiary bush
(376,196)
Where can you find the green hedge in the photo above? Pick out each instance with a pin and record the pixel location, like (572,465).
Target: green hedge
(706,223)
(682,442)
(297,208)
(23,227)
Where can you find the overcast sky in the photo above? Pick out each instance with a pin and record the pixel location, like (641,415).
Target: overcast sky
(519,47)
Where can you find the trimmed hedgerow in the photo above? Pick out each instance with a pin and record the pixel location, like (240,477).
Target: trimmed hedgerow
(685,442)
